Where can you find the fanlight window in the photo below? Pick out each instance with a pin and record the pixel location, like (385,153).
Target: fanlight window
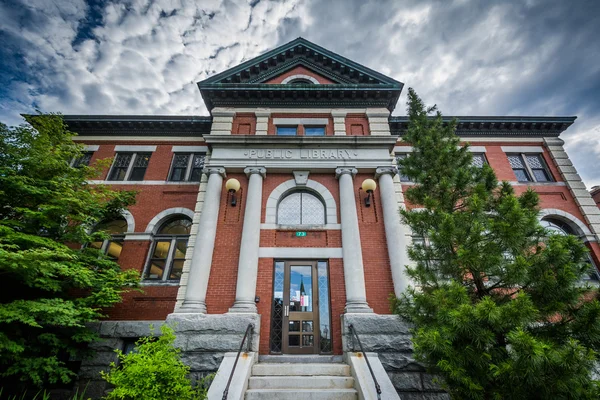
(301,208)
(562,228)
(300,81)
(168,250)
(112,246)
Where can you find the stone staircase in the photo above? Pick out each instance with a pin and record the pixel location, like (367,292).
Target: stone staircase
(301,379)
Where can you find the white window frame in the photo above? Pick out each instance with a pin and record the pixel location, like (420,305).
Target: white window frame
(188,171)
(528,169)
(74,160)
(130,167)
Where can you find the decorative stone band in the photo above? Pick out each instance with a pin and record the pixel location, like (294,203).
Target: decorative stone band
(584,200)
(345,170)
(255,170)
(215,170)
(393,171)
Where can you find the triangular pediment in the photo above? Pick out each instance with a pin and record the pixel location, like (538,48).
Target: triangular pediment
(301,52)
(320,78)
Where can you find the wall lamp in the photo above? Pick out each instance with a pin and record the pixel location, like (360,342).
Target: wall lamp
(232,185)
(369,186)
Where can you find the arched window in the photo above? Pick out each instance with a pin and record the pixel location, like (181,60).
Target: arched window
(112,246)
(563,228)
(168,250)
(301,208)
(300,81)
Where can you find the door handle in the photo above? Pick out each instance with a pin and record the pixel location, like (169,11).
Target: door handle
(286,311)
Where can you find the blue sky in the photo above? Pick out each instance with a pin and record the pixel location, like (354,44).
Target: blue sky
(521,57)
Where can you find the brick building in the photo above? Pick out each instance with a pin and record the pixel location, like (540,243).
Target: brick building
(257,213)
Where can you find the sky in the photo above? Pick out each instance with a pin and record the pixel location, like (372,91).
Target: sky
(513,57)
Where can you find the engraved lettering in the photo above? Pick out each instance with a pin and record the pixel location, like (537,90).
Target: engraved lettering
(340,154)
(261,154)
(252,153)
(315,154)
(323,153)
(332,154)
(269,153)
(288,154)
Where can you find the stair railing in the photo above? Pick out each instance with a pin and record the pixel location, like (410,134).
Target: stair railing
(249,329)
(377,387)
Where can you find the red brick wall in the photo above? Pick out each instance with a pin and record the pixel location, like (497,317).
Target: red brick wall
(300,70)
(223,274)
(244,124)
(357,125)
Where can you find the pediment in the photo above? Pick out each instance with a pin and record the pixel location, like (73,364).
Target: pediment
(301,53)
(321,78)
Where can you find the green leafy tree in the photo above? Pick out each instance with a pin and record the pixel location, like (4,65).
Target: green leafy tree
(153,371)
(50,286)
(497,305)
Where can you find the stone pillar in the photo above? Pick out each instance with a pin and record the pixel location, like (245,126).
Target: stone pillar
(395,234)
(262,121)
(339,122)
(379,124)
(195,295)
(222,122)
(354,274)
(245,291)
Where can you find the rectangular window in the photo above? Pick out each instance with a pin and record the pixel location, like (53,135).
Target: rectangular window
(529,167)
(314,131)
(129,167)
(478,160)
(286,130)
(187,167)
(403,178)
(83,160)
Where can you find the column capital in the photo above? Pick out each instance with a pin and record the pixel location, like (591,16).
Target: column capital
(215,170)
(255,170)
(345,170)
(388,169)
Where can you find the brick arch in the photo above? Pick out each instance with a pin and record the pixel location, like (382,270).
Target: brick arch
(166,214)
(289,186)
(578,226)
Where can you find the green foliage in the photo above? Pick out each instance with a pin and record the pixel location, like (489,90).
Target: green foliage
(153,371)
(51,288)
(498,307)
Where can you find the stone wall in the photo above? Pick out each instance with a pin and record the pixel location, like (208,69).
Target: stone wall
(389,337)
(204,339)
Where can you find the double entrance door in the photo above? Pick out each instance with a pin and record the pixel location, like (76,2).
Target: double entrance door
(301,317)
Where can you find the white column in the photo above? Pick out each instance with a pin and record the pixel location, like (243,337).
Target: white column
(395,233)
(245,291)
(195,295)
(354,274)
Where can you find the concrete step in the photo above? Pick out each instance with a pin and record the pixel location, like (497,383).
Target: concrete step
(299,358)
(293,369)
(301,382)
(301,394)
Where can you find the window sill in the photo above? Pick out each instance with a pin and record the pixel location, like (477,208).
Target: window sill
(159,283)
(278,227)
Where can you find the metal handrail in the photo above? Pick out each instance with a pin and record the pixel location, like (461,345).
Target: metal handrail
(377,387)
(250,328)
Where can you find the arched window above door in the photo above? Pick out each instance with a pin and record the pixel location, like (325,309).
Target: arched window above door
(301,208)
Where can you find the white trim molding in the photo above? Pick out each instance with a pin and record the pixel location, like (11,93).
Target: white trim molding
(578,226)
(300,76)
(299,121)
(522,149)
(326,227)
(101,182)
(134,148)
(91,147)
(300,252)
(409,149)
(130,220)
(165,214)
(286,187)
(189,149)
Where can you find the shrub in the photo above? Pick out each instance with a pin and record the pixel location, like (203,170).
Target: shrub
(153,371)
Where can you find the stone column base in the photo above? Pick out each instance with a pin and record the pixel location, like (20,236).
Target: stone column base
(389,337)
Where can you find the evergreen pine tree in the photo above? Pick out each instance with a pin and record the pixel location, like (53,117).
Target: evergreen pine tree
(497,302)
